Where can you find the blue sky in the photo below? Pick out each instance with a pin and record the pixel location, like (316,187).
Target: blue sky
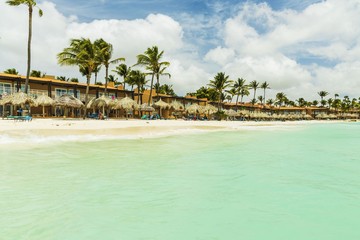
(299,47)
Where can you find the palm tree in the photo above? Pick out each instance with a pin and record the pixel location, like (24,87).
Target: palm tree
(254,85)
(151,60)
(36,73)
(30,4)
(261,99)
(323,94)
(96,71)
(82,52)
(244,92)
(281,98)
(11,71)
(270,102)
(137,78)
(238,85)
(123,71)
(336,95)
(63,78)
(330,102)
(105,53)
(265,86)
(220,83)
(232,93)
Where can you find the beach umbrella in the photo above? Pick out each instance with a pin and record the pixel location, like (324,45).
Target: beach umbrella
(67,100)
(127,103)
(162,105)
(231,113)
(91,103)
(177,106)
(6,99)
(44,100)
(210,109)
(146,108)
(193,108)
(102,102)
(20,98)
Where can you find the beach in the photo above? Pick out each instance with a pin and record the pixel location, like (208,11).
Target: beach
(46,131)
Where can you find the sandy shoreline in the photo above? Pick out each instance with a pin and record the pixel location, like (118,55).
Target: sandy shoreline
(51,127)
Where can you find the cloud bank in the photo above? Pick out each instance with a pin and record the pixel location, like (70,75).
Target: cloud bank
(297,52)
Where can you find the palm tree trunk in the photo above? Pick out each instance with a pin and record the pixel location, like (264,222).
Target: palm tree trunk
(95,77)
(124,83)
(236,104)
(29,50)
(264,97)
(151,86)
(106,78)
(158,85)
(86,93)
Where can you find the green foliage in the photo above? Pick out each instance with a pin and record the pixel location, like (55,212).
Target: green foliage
(12,71)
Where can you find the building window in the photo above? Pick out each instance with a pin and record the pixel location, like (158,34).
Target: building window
(22,88)
(5,88)
(71,92)
(60,91)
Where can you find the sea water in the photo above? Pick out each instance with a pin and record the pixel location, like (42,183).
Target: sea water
(299,182)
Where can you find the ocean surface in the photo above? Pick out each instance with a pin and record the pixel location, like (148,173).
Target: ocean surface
(293,182)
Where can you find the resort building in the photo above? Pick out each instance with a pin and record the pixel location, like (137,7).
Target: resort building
(54,88)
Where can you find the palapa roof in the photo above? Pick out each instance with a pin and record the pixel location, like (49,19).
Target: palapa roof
(20,98)
(161,104)
(44,100)
(67,100)
(127,103)
(177,106)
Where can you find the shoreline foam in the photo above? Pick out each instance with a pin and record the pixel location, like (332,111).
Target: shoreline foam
(42,131)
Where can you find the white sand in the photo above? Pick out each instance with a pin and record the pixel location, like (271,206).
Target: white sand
(115,127)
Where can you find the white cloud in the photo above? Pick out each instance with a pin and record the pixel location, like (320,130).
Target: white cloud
(269,46)
(256,43)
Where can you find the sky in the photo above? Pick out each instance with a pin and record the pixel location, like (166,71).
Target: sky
(298,47)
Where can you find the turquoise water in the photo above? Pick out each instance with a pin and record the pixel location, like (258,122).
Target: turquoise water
(268,183)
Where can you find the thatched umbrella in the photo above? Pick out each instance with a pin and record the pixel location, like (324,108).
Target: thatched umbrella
(146,108)
(102,102)
(177,106)
(210,109)
(127,104)
(232,113)
(67,100)
(162,105)
(91,103)
(6,99)
(193,108)
(20,98)
(44,100)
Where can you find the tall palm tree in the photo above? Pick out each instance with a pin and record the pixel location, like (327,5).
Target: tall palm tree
(232,93)
(238,85)
(244,92)
(270,102)
(254,85)
(11,71)
(123,71)
(220,83)
(281,98)
(151,60)
(30,4)
(82,53)
(96,71)
(137,78)
(265,86)
(323,94)
(105,54)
